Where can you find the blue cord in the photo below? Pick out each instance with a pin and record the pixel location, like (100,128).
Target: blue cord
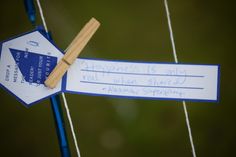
(55,100)
(57,112)
(30,10)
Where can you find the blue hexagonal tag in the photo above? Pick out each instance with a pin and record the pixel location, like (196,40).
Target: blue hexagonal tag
(25,63)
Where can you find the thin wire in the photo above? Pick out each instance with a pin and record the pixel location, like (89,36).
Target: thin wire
(176,61)
(63,95)
(42,16)
(189,128)
(71,124)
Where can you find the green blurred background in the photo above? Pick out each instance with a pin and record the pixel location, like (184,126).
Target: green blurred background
(131,30)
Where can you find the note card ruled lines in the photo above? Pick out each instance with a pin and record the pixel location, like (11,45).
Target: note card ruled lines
(103,83)
(112,72)
(139,74)
(144,84)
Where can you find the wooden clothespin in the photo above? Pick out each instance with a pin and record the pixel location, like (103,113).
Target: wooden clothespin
(72,53)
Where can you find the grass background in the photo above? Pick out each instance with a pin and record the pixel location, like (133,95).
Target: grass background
(131,30)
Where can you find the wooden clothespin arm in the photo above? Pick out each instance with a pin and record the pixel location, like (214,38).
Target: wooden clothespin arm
(72,53)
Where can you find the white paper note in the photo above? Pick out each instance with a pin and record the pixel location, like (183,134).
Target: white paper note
(144,80)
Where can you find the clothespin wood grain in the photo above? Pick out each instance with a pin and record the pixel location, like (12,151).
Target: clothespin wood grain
(72,52)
